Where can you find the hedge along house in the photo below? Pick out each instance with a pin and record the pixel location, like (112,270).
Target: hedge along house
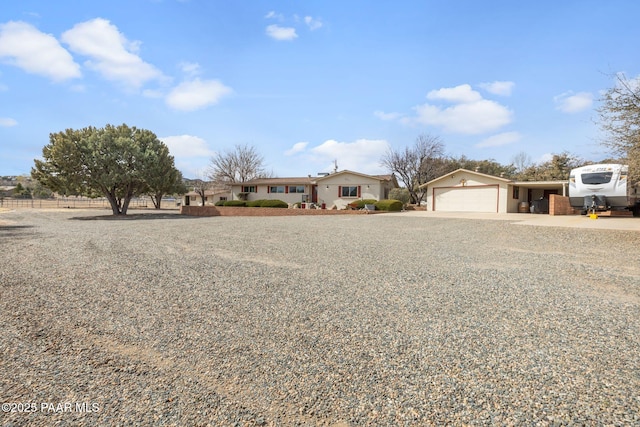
(336,189)
(289,190)
(467,191)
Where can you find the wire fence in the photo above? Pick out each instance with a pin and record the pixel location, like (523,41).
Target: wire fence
(79,203)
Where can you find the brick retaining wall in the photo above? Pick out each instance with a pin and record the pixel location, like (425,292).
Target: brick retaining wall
(244,211)
(559,205)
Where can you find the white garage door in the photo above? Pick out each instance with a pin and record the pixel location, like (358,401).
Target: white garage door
(466,199)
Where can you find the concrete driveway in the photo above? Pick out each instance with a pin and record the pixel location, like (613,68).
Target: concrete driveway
(571,221)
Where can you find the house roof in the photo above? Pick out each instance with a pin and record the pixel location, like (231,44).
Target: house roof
(277,181)
(378,177)
(529,184)
(306,180)
(484,175)
(540,184)
(212,192)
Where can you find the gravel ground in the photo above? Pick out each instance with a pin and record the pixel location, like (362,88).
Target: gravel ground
(335,321)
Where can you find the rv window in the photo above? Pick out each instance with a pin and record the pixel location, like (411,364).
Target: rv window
(596,178)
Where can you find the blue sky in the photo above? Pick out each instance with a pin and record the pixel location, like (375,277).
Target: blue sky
(310,82)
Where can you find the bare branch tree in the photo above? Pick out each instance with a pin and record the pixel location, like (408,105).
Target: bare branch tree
(416,165)
(521,162)
(200,185)
(241,164)
(620,120)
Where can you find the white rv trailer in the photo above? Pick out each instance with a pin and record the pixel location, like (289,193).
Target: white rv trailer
(599,187)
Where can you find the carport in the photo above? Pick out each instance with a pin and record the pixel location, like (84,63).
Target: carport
(536,193)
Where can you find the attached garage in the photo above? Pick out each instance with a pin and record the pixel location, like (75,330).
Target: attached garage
(476,198)
(467,191)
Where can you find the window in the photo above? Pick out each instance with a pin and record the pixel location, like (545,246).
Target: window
(276,189)
(597,178)
(223,198)
(516,192)
(296,189)
(351,191)
(249,189)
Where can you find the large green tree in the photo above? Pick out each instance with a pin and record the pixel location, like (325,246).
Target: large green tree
(555,169)
(117,162)
(620,120)
(487,166)
(163,178)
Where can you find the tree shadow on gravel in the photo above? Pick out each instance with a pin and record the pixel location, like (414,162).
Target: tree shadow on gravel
(133,217)
(16,230)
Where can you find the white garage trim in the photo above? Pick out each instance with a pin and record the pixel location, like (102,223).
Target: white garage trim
(472,198)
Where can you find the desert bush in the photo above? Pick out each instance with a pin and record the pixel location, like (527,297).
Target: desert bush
(390,205)
(266,203)
(401,194)
(273,204)
(359,204)
(255,203)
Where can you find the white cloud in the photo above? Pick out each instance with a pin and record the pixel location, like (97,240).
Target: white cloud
(569,102)
(196,94)
(24,46)
(297,148)
(187,146)
(362,155)
(475,117)
(458,94)
(547,157)
(110,53)
(500,139)
(498,88)
(277,32)
(470,113)
(7,122)
(312,23)
(273,15)
(386,116)
(190,69)
(192,154)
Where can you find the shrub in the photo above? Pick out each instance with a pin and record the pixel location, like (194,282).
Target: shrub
(390,205)
(236,203)
(220,203)
(255,203)
(273,204)
(265,203)
(359,204)
(401,194)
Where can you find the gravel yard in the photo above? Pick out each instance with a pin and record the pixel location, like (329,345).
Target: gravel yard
(336,320)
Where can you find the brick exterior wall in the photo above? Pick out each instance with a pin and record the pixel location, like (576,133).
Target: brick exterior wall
(240,211)
(559,205)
